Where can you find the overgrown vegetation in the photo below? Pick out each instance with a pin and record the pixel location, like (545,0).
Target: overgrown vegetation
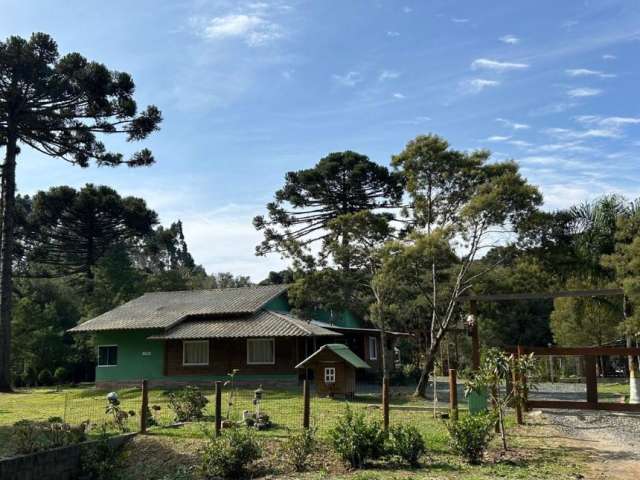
(406,442)
(29,436)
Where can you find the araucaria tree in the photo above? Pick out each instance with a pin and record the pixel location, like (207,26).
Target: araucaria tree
(307,211)
(57,106)
(459,204)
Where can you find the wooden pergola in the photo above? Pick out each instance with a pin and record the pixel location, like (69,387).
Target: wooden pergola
(589,353)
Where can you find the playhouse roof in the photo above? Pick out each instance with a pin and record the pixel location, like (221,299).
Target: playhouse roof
(341,351)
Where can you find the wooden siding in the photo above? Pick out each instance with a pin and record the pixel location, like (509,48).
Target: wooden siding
(227,354)
(345,383)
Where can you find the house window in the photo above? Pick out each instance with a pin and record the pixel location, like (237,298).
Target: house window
(330,375)
(261,351)
(373,348)
(107,355)
(195,353)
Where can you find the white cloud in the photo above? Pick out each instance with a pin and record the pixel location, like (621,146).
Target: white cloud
(486,64)
(608,56)
(498,138)
(513,125)
(509,39)
(407,9)
(459,20)
(350,79)
(229,228)
(254,29)
(388,75)
(399,96)
(585,72)
(615,122)
(392,33)
(520,143)
(584,92)
(477,85)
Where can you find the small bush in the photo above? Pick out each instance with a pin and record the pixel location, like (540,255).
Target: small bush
(29,437)
(45,378)
(230,454)
(357,440)
(470,436)
(101,461)
(188,404)
(181,473)
(60,375)
(298,448)
(406,442)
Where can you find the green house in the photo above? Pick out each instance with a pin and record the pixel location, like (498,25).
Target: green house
(199,336)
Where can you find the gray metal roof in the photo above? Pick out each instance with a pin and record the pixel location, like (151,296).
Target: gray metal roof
(264,323)
(165,309)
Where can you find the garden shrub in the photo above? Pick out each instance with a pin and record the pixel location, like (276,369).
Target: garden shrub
(101,461)
(45,378)
(230,454)
(60,375)
(356,440)
(28,436)
(298,448)
(470,435)
(406,442)
(188,404)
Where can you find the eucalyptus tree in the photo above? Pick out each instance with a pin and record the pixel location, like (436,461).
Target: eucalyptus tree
(459,205)
(57,106)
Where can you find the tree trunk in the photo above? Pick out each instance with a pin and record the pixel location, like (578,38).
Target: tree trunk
(421,388)
(6,259)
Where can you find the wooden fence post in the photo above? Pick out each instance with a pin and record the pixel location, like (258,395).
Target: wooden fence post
(385,403)
(453,394)
(591,380)
(306,404)
(144,408)
(218,413)
(523,383)
(515,382)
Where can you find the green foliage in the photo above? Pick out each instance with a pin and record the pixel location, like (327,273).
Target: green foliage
(101,461)
(119,418)
(406,442)
(60,375)
(188,404)
(45,378)
(298,448)
(470,436)
(231,454)
(356,439)
(181,473)
(28,436)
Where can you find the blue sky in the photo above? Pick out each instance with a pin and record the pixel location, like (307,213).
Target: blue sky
(250,90)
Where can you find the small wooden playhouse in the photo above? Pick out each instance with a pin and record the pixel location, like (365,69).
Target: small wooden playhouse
(334,369)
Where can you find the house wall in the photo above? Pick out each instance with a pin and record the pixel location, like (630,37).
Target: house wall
(345,383)
(138,358)
(228,354)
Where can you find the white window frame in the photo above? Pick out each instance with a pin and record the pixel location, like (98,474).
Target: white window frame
(329,375)
(98,355)
(184,349)
(273,343)
(373,352)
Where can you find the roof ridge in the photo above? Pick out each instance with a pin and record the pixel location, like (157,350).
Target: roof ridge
(289,318)
(247,287)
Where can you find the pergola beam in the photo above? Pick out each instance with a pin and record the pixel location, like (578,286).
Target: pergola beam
(505,297)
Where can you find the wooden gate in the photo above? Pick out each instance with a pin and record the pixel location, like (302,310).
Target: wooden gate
(590,355)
